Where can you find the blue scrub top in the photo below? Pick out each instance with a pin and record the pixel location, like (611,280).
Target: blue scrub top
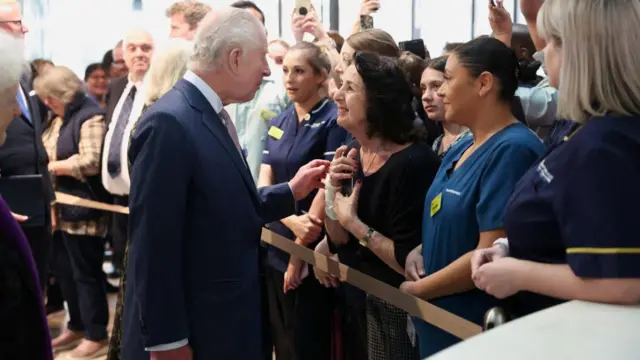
(578,206)
(463,203)
(291,144)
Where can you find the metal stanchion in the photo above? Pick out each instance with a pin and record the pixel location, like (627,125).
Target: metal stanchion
(494,317)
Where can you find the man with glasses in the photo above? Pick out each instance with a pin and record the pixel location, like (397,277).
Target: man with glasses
(25,183)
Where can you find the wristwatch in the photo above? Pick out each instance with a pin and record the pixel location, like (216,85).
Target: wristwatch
(367,237)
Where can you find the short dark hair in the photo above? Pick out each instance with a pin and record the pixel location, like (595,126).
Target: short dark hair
(438,63)
(92,68)
(487,54)
(450,47)
(413,66)
(245,4)
(389,111)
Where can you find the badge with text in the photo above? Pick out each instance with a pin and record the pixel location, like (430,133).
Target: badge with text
(276,133)
(436,204)
(267,115)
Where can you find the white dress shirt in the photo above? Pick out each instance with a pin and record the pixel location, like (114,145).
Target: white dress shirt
(120,184)
(216,103)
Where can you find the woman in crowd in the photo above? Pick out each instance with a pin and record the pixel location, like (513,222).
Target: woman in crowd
(392,168)
(73,140)
(97,82)
(167,67)
(432,79)
(413,66)
(299,307)
(464,207)
(24,334)
(572,219)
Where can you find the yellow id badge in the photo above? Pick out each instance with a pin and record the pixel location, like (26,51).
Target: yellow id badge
(275,133)
(267,115)
(436,204)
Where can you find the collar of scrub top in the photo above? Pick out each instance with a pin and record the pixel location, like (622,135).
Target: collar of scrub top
(316,109)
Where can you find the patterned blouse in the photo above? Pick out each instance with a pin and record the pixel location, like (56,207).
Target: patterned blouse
(85,163)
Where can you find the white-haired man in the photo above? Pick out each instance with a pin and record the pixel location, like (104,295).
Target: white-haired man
(121,112)
(193,287)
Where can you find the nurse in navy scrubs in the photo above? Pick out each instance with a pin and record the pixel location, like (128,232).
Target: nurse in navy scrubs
(299,307)
(572,222)
(464,206)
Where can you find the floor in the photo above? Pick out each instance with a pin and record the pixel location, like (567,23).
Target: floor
(58,321)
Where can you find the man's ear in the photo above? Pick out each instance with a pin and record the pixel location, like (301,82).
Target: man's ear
(235,61)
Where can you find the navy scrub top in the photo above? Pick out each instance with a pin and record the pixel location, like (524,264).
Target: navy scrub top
(463,203)
(290,145)
(578,206)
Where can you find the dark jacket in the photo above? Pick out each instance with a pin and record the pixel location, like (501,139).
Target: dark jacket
(77,112)
(23,152)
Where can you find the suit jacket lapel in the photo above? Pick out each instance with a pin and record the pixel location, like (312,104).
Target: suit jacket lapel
(26,89)
(214,124)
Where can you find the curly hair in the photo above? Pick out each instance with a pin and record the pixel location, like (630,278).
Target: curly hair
(389,109)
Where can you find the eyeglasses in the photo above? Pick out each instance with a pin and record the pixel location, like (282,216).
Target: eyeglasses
(14,22)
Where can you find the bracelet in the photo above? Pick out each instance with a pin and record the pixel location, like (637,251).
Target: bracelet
(329,195)
(367,237)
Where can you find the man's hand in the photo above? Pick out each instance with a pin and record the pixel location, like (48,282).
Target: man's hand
(309,178)
(369,7)
(307,228)
(19,218)
(183,353)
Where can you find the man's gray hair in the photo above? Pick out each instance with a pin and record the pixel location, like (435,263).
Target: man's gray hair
(222,31)
(12,61)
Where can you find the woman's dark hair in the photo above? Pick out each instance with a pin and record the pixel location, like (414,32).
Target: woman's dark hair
(107,59)
(374,40)
(438,63)
(487,54)
(413,67)
(389,111)
(92,68)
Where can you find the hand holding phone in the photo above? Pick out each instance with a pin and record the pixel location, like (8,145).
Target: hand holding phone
(303,7)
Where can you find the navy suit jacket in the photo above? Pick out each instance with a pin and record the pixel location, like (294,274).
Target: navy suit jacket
(23,152)
(195,225)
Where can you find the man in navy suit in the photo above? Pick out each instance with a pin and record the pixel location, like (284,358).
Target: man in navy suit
(193,286)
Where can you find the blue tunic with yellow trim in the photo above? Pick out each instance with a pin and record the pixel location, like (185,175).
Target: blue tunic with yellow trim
(291,144)
(578,206)
(463,203)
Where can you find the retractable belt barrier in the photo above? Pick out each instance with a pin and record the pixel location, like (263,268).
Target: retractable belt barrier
(432,314)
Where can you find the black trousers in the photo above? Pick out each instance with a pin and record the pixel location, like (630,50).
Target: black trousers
(119,232)
(301,320)
(78,268)
(40,241)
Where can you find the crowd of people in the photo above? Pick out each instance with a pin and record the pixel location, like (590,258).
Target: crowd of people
(499,174)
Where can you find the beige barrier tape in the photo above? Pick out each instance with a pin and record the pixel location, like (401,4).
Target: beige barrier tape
(432,314)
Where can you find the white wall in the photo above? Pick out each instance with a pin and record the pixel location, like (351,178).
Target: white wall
(78,32)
